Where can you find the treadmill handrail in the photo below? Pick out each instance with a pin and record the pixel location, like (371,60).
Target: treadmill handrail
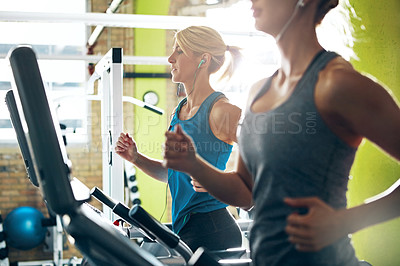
(102,197)
(162,233)
(119,209)
(122,211)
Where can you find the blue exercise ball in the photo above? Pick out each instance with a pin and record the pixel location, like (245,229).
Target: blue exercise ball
(23,228)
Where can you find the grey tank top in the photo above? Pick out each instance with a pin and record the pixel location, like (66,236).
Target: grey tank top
(291,152)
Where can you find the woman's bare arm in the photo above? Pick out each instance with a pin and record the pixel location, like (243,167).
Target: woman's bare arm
(233,188)
(127,149)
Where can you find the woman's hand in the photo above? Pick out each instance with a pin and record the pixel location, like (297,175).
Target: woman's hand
(179,151)
(126,148)
(318,228)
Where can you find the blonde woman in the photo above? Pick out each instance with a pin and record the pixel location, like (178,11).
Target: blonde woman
(211,121)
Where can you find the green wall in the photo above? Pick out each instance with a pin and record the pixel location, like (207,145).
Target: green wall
(378,50)
(150,127)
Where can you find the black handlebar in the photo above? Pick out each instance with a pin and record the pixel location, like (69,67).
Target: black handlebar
(161,232)
(119,209)
(103,198)
(146,224)
(154,109)
(122,211)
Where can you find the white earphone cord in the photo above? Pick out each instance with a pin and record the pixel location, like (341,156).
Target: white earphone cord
(284,28)
(194,80)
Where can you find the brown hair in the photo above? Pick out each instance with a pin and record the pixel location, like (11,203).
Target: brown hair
(323,8)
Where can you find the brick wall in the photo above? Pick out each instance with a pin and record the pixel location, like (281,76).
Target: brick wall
(16,189)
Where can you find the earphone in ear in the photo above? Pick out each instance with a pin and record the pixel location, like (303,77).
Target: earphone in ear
(201,62)
(301,3)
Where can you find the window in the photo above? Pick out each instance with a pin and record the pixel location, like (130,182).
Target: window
(64,79)
(260,54)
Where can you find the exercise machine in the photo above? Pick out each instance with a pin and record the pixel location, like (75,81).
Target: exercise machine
(95,236)
(109,72)
(53,223)
(101,242)
(159,238)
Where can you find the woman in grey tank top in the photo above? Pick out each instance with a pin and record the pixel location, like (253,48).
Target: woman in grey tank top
(297,142)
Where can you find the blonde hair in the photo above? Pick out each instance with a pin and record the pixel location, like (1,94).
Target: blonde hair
(203,39)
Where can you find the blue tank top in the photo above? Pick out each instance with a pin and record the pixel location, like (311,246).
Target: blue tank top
(291,152)
(215,151)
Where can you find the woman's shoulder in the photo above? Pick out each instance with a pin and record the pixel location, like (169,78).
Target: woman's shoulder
(223,120)
(340,77)
(223,107)
(340,70)
(340,84)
